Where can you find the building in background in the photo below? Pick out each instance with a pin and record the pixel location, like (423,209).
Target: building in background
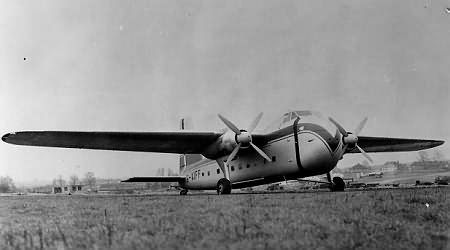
(67,189)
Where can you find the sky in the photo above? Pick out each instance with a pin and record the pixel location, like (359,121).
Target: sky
(142,65)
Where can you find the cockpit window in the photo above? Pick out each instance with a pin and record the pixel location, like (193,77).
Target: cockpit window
(305,116)
(295,114)
(286,117)
(303,113)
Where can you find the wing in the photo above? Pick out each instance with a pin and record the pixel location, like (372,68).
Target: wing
(161,142)
(157,179)
(384,144)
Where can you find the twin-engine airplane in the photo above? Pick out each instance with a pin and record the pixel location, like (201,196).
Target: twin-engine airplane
(304,144)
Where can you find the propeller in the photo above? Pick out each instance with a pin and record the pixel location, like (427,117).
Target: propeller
(243,138)
(352,138)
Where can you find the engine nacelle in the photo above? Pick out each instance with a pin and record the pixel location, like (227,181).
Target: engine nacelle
(223,146)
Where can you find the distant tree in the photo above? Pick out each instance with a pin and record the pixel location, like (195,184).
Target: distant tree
(423,156)
(438,155)
(89,179)
(60,181)
(160,172)
(6,185)
(170,172)
(365,163)
(74,180)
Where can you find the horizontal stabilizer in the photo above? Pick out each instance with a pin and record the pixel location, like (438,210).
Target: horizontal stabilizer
(156,179)
(311,180)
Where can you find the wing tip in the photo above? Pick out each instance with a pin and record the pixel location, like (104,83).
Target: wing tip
(436,143)
(6,137)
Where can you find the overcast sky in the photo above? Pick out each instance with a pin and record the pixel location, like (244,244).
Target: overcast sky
(141,65)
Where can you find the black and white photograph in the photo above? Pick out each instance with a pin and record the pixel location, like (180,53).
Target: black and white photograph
(207,124)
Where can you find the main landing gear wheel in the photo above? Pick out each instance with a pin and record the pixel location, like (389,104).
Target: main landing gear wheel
(183,192)
(338,184)
(223,186)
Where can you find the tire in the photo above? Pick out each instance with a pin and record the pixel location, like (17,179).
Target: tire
(183,192)
(223,186)
(338,184)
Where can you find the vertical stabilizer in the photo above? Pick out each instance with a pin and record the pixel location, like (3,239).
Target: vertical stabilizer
(187,159)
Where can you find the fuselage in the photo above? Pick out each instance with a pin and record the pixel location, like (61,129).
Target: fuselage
(304,144)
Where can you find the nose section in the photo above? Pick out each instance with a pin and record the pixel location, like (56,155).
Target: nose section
(315,156)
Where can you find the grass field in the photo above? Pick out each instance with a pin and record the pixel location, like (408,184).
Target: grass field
(376,219)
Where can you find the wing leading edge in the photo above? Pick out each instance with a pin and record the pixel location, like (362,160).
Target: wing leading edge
(384,144)
(160,142)
(180,142)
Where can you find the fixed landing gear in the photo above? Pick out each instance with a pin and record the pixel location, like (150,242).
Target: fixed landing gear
(223,186)
(337,184)
(183,192)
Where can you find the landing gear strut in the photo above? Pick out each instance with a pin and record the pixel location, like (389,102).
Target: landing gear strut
(337,184)
(223,186)
(183,192)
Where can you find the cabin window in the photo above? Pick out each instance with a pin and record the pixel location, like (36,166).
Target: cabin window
(248,165)
(274,158)
(264,160)
(232,168)
(203,174)
(218,171)
(208,173)
(240,166)
(286,117)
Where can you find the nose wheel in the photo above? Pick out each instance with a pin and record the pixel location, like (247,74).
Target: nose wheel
(223,186)
(337,184)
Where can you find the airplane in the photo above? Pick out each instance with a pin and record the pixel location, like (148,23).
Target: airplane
(302,144)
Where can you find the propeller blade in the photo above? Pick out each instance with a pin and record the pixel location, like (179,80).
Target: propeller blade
(340,128)
(255,123)
(360,126)
(365,154)
(260,152)
(233,153)
(230,125)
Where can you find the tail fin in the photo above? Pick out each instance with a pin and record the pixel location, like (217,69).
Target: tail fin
(187,159)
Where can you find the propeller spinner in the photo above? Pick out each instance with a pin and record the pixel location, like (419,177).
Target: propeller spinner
(243,138)
(352,138)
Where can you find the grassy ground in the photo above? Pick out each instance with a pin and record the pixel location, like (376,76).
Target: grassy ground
(379,219)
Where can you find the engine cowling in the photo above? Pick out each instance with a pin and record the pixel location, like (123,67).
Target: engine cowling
(224,145)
